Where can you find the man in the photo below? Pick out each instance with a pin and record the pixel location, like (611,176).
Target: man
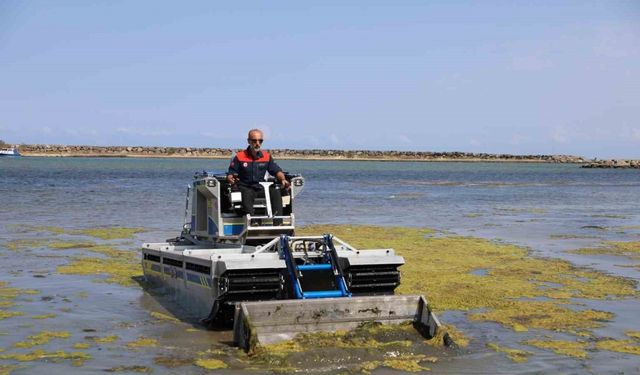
(249,167)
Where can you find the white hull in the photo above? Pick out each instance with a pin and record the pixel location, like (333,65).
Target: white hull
(10,152)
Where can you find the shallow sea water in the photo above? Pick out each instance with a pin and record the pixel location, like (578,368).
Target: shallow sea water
(548,208)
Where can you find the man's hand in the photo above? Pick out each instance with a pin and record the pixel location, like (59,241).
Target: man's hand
(285,184)
(231,179)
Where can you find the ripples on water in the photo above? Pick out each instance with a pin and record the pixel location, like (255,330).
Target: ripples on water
(547,207)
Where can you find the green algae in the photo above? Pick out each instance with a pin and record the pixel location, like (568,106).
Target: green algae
(133,368)
(516,355)
(575,349)
(633,334)
(106,233)
(524,315)
(610,216)
(570,236)
(395,345)
(6,304)
(473,215)
(172,361)
(52,229)
(162,316)
(81,345)
(76,358)
(120,266)
(454,334)
(626,249)
(142,342)
(82,294)
(24,244)
(512,277)
(517,290)
(9,314)
(8,369)
(406,363)
(106,339)
(44,316)
(42,338)
(210,364)
(620,346)
(8,293)
(65,245)
(110,233)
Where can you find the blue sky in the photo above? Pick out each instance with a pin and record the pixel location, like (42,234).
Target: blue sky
(521,77)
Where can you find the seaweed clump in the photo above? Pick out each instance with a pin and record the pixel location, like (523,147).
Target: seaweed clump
(507,293)
(106,233)
(162,316)
(626,249)
(210,363)
(575,349)
(516,355)
(42,338)
(76,358)
(516,290)
(120,266)
(364,349)
(133,368)
(142,342)
(7,296)
(620,346)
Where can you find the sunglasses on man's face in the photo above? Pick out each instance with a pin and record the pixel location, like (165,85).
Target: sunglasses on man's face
(256,140)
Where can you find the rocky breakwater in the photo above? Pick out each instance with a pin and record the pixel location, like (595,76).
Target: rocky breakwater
(123,151)
(613,163)
(193,152)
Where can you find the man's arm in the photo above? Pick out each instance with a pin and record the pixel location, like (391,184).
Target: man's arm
(275,170)
(232,172)
(283,179)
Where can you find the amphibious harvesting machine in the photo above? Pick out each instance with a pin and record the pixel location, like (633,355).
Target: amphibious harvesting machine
(254,272)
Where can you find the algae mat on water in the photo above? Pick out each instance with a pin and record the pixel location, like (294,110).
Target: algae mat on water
(516,290)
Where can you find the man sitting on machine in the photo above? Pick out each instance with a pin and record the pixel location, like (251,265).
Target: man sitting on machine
(248,168)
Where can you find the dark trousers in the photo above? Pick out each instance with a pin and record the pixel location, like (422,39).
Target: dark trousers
(250,193)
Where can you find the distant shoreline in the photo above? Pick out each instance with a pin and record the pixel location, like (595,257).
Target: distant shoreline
(222,153)
(315,154)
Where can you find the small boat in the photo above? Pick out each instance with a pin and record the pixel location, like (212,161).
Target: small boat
(12,151)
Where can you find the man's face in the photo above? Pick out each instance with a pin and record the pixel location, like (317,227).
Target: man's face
(255,141)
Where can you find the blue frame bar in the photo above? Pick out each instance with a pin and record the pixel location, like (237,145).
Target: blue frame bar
(315,267)
(323,294)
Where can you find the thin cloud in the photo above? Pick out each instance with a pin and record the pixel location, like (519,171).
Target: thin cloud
(559,135)
(145,132)
(530,63)
(335,140)
(616,41)
(518,139)
(403,138)
(80,132)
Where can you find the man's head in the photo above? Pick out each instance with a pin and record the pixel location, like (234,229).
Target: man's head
(255,139)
